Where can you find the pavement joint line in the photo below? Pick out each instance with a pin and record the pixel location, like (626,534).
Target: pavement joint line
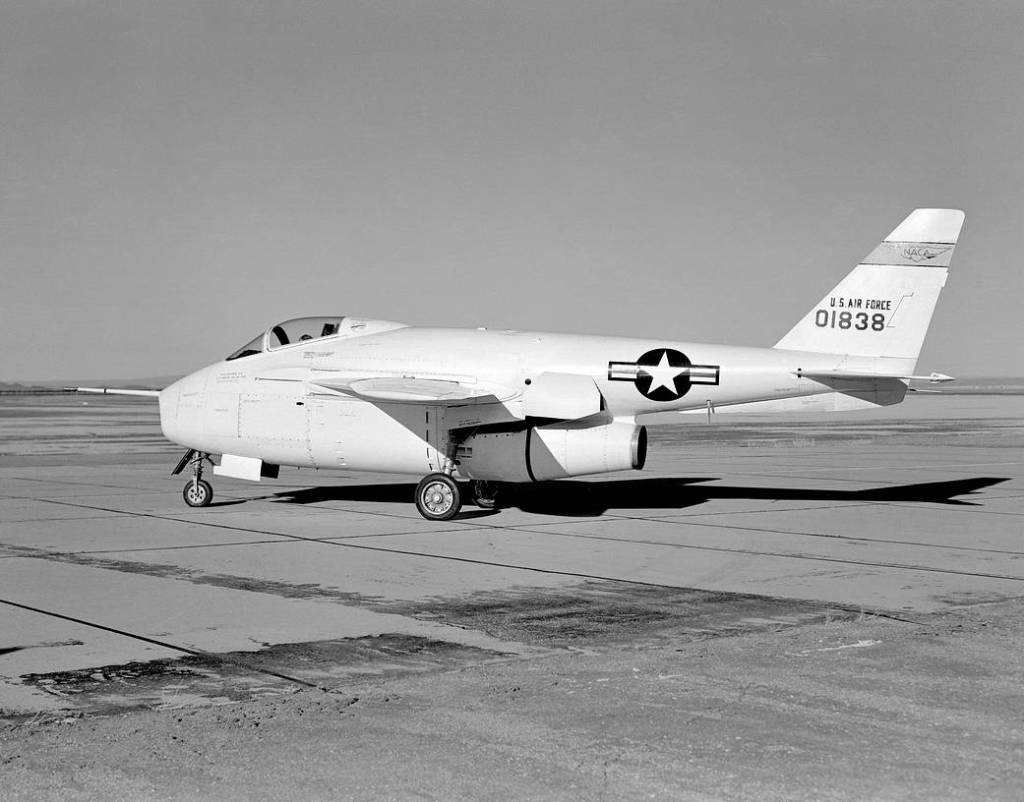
(462,522)
(354,511)
(185,520)
(955,508)
(324,508)
(83,495)
(218,658)
(211,656)
(51,481)
(60,520)
(469,560)
(915,467)
(131,514)
(428,555)
(59,503)
(899,566)
(458,529)
(810,557)
(197,546)
(42,553)
(589,519)
(765,530)
(525,530)
(161,489)
(780,475)
(762,511)
(972,508)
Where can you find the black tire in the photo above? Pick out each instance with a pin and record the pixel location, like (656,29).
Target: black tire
(438,497)
(198,494)
(484,494)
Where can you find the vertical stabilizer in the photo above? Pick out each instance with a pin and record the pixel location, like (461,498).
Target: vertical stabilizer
(883,307)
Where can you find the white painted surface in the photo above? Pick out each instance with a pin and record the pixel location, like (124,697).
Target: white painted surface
(929,225)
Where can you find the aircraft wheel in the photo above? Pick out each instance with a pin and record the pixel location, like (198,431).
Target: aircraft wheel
(485,494)
(438,497)
(198,494)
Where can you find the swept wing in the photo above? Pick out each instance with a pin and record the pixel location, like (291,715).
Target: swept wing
(414,390)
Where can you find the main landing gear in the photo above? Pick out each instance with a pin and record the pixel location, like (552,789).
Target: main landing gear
(484,494)
(439,497)
(197,492)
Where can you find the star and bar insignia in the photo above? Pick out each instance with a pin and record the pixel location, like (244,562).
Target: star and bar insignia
(663,374)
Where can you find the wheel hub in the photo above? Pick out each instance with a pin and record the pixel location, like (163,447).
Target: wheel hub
(437,498)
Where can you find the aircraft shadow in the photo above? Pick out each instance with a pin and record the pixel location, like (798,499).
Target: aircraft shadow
(574,498)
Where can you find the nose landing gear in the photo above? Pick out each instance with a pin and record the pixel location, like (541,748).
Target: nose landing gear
(197,492)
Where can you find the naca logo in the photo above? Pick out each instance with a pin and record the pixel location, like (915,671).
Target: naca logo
(922,253)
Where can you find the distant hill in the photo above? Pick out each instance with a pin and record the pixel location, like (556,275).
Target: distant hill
(983,385)
(149,383)
(14,388)
(47,387)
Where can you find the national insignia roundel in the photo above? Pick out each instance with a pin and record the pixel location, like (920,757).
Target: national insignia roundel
(663,374)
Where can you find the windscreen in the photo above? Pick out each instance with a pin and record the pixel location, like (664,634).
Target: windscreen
(249,349)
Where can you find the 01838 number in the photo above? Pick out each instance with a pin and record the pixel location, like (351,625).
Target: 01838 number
(860,321)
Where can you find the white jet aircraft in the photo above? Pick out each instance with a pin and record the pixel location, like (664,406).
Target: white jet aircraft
(498,407)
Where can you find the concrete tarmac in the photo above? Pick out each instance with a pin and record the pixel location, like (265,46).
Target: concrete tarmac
(115,596)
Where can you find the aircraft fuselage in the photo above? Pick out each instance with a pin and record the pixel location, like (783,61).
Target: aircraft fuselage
(269,405)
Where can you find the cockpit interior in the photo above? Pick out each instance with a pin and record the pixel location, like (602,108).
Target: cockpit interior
(299,330)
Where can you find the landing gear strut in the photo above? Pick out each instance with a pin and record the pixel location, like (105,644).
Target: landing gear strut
(438,496)
(197,492)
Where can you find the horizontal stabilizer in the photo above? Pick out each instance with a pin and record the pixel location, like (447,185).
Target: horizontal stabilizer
(821,402)
(112,391)
(830,375)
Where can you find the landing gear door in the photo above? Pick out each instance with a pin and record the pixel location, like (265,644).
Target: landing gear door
(436,437)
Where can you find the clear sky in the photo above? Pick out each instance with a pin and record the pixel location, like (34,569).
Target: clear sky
(177,176)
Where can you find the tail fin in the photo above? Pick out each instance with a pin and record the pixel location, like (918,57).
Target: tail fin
(883,307)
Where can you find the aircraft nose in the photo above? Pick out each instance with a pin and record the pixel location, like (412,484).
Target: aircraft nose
(169,397)
(181,408)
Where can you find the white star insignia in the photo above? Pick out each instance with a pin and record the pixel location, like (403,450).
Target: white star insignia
(662,374)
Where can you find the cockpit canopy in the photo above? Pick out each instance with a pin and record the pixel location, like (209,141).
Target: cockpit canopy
(301,329)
